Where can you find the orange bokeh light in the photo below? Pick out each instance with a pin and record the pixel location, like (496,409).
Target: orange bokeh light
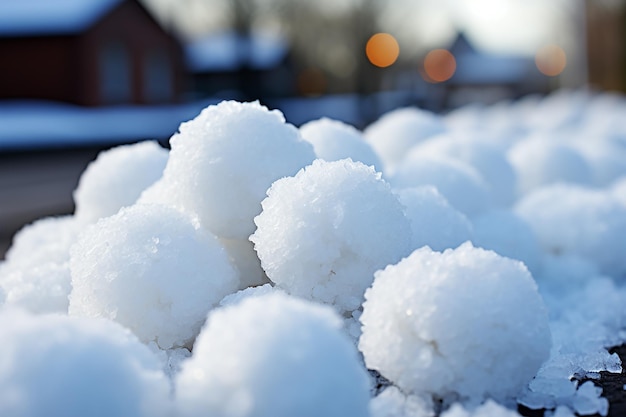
(551,60)
(439,66)
(382,50)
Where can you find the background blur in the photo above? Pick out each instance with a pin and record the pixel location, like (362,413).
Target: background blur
(79,76)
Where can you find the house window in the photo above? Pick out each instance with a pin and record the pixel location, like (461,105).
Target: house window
(158,77)
(115,73)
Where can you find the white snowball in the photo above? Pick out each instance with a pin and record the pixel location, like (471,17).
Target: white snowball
(466,322)
(457,181)
(434,222)
(507,234)
(76,367)
(486,157)
(116,179)
(151,270)
(36,275)
(565,272)
(323,233)
(334,140)
(488,409)
(605,157)
(542,160)
(273,355)
(223,161)
(396,132)
(241,295)
(570,219)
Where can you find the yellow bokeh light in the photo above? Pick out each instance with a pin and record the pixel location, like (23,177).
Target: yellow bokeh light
(439,66)
(382,50)
(551,60)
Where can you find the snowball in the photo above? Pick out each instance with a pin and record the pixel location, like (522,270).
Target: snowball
(393,403)
(458,182)
(485,157)
(507,234)
(488,409)
(151,270)
(434,222)
(396,132)
(541,161)
(223,161)
(466,322)
(570,219)
(334,140)
(76,367)
(276,356)
(606,158)
(323,233)
(35,275)
(565,272)
(116,179)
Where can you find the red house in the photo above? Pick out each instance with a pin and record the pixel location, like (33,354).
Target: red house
(87,52)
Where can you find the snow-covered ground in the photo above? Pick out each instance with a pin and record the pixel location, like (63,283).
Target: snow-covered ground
(28,125)
(453,265)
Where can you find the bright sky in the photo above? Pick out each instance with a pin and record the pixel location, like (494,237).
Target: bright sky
(514,26)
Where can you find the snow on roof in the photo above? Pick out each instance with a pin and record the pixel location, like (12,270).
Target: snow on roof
(229,51)
(46,17)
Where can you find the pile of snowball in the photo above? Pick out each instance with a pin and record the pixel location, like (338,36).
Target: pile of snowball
(453,265)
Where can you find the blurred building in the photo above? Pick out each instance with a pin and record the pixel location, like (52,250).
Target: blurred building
(606,44)
(479,76)
(244,66)
(87,52)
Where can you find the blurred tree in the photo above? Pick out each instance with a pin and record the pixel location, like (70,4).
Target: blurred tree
(606,44)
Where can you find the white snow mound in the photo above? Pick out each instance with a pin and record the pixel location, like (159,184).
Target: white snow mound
(75,367)
(273,356)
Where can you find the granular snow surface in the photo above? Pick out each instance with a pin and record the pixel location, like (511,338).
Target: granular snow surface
(461,265)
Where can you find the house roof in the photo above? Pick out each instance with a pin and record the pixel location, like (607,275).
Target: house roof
(229,51)
(50,17)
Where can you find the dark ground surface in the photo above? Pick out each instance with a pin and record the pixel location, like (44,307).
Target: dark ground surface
(36,184)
